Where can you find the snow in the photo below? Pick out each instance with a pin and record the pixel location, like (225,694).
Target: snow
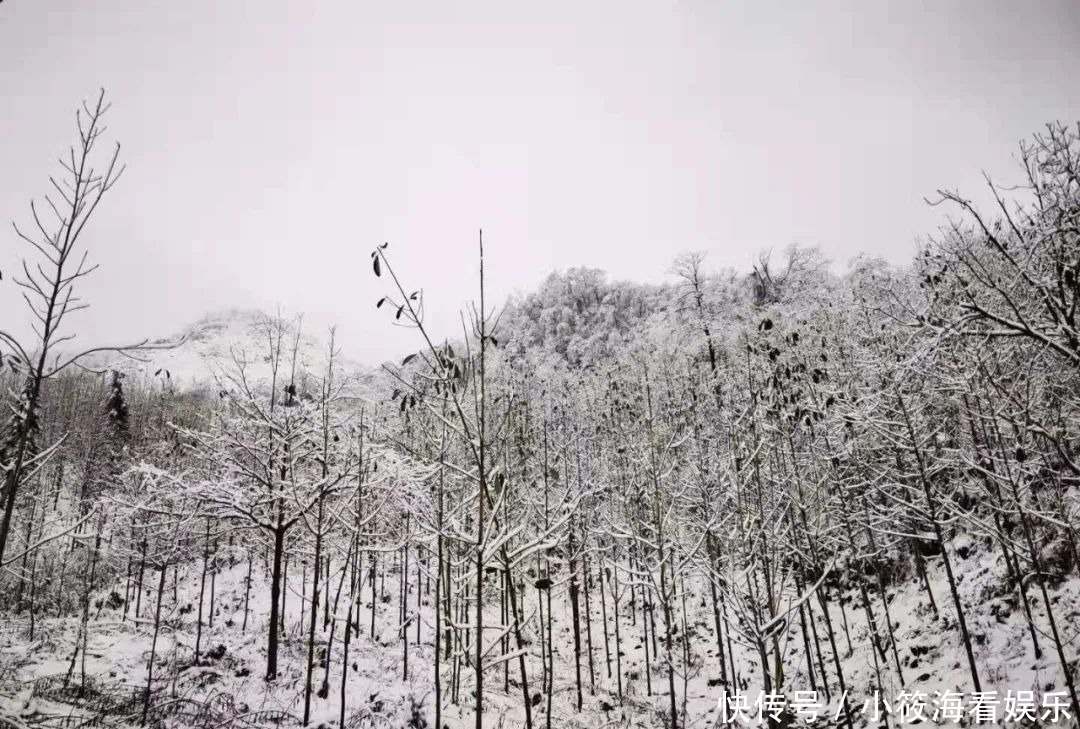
(931,655)
(198,354)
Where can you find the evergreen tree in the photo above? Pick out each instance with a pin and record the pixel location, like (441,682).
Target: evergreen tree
(116,408)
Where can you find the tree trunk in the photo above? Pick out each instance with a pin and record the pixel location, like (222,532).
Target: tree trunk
(275,602)
(315,573)
(202,592)
(153,647)
(576,617)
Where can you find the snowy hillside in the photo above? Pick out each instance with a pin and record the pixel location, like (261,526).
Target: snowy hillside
(787,496)
(210,347)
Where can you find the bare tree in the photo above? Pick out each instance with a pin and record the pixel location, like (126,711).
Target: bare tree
(48,290)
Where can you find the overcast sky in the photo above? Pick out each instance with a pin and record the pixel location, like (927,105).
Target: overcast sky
(270,145)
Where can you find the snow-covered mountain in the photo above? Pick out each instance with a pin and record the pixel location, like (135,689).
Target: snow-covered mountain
(218,342)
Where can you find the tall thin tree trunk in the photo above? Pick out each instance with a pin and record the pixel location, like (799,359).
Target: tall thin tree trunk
(275,605)
(247,594)
(931,507)
(153,647)
(604,618)
(588,626)
(315,573)
(576,617)
(202,592)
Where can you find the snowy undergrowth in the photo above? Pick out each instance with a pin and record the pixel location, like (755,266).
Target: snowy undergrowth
(233,656)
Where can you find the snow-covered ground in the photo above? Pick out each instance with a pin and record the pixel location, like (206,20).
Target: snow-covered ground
(230,674)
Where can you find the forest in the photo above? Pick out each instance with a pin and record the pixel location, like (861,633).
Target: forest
(795,494)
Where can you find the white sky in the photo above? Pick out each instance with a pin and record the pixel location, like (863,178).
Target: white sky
(270,145)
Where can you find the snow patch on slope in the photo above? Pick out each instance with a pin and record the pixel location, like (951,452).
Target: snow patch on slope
(206,350)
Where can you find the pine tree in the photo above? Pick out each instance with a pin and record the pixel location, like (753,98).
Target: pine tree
(116,408)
